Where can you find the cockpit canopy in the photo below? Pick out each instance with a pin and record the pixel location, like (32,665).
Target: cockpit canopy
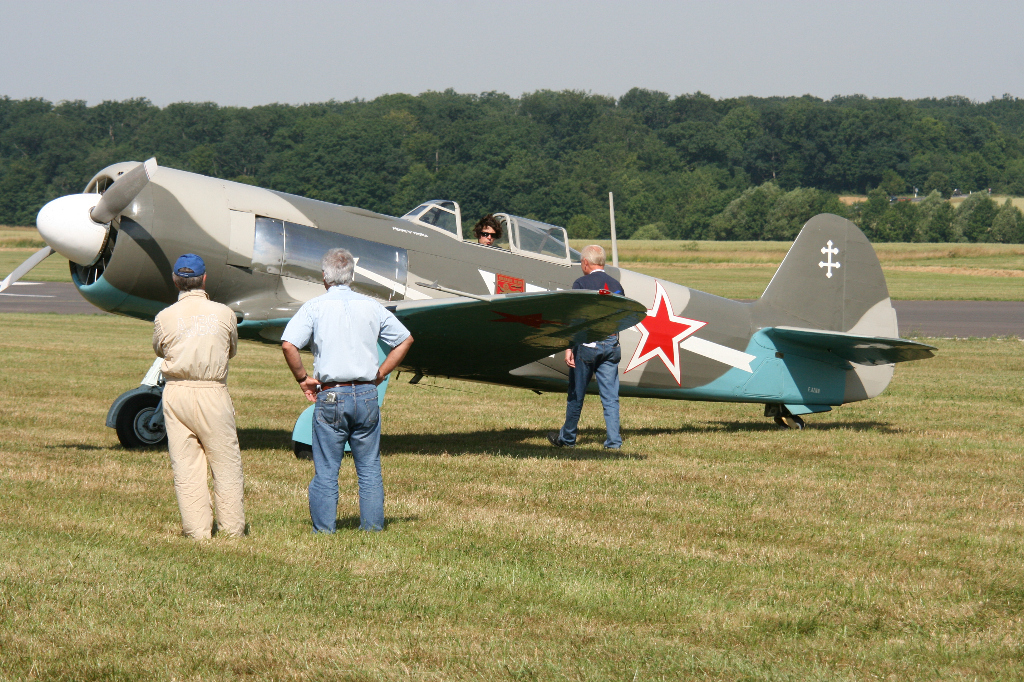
(522,236)
(536,239)
(440,214)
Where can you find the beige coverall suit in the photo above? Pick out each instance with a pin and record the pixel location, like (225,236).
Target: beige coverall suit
(196,337)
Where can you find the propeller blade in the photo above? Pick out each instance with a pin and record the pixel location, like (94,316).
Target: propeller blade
(123,191)
(20,271)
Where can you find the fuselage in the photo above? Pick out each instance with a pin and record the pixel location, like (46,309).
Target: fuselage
(262,250)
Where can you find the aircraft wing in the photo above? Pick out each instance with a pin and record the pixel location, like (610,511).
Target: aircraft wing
(485,338)
(861,350)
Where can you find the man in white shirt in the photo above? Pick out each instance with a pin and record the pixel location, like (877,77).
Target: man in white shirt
(344,328)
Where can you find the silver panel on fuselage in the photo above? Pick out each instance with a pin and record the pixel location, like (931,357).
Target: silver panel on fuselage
(295,251)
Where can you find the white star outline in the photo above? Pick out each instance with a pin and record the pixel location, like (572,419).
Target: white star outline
(661,298)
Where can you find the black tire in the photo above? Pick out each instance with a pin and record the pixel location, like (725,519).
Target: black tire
(302,451)
(132,419)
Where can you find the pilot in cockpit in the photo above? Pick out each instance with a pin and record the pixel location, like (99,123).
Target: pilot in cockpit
(488,231)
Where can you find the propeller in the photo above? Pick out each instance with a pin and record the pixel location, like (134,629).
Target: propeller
(77,226)
(122,192)
(33,260)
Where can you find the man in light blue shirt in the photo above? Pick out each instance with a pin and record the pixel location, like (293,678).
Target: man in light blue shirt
(343,328)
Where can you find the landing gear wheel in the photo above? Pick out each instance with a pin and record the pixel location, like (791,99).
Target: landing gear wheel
(792,421)
(133,423)
(302,451)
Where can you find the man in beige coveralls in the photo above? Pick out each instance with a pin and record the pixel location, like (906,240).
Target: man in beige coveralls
(195,337)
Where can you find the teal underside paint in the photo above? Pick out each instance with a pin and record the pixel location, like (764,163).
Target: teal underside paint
(807,409)
(106,297)
(302,432)
(264,331)
(809,384)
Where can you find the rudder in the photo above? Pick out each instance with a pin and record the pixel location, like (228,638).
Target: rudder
(831,279)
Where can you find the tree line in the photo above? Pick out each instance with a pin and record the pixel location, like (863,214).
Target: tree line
(685,167)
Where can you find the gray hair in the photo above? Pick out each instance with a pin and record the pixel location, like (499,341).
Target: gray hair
(338,266)
(187,283)
(594,254)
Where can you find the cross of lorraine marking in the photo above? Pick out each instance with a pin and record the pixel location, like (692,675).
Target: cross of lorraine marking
(829,264)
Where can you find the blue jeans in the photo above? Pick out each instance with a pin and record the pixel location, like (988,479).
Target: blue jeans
(346,414)
(602,361)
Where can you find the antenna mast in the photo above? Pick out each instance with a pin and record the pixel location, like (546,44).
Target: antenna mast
(615,244)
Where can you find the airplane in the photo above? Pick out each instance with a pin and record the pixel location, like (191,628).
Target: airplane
(823,334)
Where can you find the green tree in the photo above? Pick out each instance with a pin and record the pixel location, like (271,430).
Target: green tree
(973,219)
(413,189)
(900,223)
(892,184)
(1008,225)
(583,227)
(872,213)
(938,182)
(649,231)
(793,209)
(936,219)
(677,161)
(22,192)
(746,217)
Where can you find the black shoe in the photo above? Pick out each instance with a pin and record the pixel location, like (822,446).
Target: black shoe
(556,441)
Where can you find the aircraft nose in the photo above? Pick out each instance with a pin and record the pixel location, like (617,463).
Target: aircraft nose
(66,226)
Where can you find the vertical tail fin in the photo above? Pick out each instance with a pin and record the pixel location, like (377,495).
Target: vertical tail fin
(830,279)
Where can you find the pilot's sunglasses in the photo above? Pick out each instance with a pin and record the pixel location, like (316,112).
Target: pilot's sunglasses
(492,235)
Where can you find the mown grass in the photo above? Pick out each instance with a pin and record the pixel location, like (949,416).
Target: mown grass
(886,540)
(18,243)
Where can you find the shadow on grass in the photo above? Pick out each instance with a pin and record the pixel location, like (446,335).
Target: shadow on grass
(352,522)
(522,443)
(258,439)
(761,426)
(82,446)
(880,427)
(508,443)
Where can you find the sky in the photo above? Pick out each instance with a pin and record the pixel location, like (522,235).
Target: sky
(246,53)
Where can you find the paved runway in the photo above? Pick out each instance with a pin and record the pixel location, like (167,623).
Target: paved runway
(46,297)
(928,318)
(960,318)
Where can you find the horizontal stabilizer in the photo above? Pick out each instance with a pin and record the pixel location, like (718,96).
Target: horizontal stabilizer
(861,350)
(485,338)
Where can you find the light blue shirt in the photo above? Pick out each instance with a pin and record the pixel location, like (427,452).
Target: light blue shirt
(344,328)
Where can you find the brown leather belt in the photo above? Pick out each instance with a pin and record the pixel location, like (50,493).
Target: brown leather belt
(335,384)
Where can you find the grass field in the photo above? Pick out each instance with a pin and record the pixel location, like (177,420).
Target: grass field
(18,243)
(884,541)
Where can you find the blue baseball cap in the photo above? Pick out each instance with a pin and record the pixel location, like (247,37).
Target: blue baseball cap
(189,265)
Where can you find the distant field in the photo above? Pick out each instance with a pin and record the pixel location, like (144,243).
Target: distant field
(732,269)
(913,271)
(884,542)
(1000,199)
(18,243)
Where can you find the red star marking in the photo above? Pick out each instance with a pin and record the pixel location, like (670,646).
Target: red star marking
(535,320)
(660,334)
